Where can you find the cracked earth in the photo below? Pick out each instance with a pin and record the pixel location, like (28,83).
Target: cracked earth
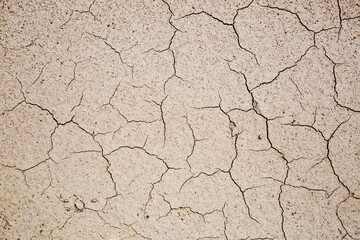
(180,119)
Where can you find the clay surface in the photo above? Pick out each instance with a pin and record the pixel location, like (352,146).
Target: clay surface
(170,119)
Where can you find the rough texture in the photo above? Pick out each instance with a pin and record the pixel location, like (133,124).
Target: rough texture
(180,119)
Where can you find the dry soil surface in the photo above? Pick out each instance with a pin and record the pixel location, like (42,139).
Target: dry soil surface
(179,119)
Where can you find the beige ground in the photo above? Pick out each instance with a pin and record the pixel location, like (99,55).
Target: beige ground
(180,119)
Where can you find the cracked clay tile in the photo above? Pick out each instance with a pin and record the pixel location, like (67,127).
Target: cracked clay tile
(345,154)
(351,221)
(249,173)
(217,190)
(50,89)
(266,225)
(182,223)
(24,21)
(38,178)
(10,90)
(222,10)
(303,223)
(313,175)
(317,15)
(85,223)
(214,148)
(129,97)
(143,64)
(134,172)
(281,41)
(133,134)
(349,9)
(128,165)
(214,191)
(342,48)
(37,219)
(311,102)
(30,136)
(178,137)
(251,128)
(70,139)
(296,142)
(268,215)
(72,175)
